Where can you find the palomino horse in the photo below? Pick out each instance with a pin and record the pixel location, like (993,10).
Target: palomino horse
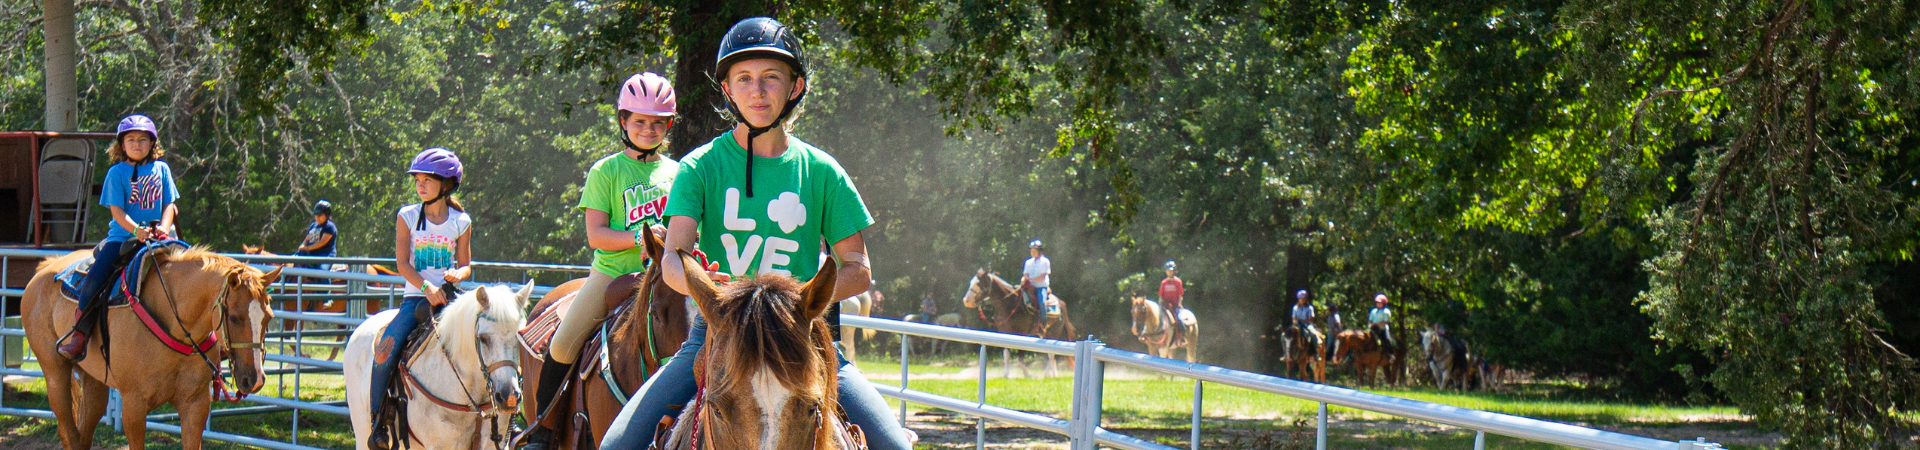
(1002,306)
(1303,356)
(1367,355)
(632,346)
(462,378)
(1152,326)
(768,376)
(861,305)
(202,308)
(1447,358)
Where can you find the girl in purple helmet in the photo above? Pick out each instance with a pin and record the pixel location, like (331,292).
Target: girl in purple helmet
(138,192)
(432,248)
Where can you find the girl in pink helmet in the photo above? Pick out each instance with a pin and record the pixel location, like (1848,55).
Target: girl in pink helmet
(626,193)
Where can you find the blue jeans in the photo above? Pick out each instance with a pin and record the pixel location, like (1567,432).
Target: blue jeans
(106,256)
(386,352)
(672,387)
(1040,300)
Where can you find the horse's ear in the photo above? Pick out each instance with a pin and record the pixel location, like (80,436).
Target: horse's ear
(526,293)
(817,295)
(271,277)
(481,295)
(655,247)
(699,287)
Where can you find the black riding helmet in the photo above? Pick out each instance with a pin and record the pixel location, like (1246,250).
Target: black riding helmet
(758,38)
(322,207)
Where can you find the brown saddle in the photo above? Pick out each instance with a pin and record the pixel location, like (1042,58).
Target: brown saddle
(538,333)
(593,360)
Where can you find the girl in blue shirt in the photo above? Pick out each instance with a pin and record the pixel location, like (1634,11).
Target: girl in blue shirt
(138,190)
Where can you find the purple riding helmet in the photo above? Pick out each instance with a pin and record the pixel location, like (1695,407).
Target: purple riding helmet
(138,122)
(441,163)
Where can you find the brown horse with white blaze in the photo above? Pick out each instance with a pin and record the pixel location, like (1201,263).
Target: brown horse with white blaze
(767,375)
(1002,306)
(212,306)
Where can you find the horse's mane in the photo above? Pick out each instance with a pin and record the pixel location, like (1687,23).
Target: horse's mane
(774,337)
(458,319)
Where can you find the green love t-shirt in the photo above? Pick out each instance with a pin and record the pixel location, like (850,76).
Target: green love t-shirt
(799,199)
(633,194)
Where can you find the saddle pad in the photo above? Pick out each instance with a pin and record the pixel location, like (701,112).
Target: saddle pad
(123,285)
(1186,316)
(538,334)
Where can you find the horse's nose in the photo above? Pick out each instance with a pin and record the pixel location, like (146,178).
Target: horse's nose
(508,398)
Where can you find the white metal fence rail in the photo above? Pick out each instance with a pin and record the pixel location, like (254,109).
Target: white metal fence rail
(1082,429)
(293,286)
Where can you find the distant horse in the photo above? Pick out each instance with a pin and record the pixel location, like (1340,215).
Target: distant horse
(1004,308)
(768,378)
(462,379)
(1152,326)
(631,346)
(860,305)
(1367,355)
(326,306)
(1448,359)
(1308,358)
(946,320)
(204,308)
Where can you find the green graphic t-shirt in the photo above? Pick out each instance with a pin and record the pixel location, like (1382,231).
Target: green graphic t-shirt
(799,198)
(633,194)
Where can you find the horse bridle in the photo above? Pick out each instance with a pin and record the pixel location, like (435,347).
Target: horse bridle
(220,324)
(484,410)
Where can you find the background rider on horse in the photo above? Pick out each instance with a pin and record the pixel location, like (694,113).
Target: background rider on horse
(1036,275)
(1172,289)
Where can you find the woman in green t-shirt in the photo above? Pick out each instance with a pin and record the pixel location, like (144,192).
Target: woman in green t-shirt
(761,202)
(626,192)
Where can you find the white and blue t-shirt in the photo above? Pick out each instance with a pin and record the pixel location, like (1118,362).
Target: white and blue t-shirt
(434,247)
(143,191)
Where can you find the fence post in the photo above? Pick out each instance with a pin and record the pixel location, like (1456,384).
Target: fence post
(903,370)
(1087,380)
(1194,441)
(113,409)
(1479,440)
(980,423)
(1320,429)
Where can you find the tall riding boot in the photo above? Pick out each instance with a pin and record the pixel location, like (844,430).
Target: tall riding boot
(74,346)
(552,375)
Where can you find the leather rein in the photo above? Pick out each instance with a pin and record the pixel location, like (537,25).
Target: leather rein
(483,410)
(220,331)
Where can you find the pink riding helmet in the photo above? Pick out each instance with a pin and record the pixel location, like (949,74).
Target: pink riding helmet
(647,93)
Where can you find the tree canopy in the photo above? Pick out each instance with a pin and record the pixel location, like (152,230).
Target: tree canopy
(1705,197)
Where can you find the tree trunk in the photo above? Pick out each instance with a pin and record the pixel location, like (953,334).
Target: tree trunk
(63,100)
(697,31)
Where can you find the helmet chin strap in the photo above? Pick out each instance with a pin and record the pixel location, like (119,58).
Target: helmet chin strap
(754,132)
(644,152)
(420,223)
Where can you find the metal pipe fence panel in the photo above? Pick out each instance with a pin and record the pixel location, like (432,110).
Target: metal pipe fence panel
(1084,428)
(292,287)
(1480,421)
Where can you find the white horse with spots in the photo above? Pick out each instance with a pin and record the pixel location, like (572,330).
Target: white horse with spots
(463,384)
